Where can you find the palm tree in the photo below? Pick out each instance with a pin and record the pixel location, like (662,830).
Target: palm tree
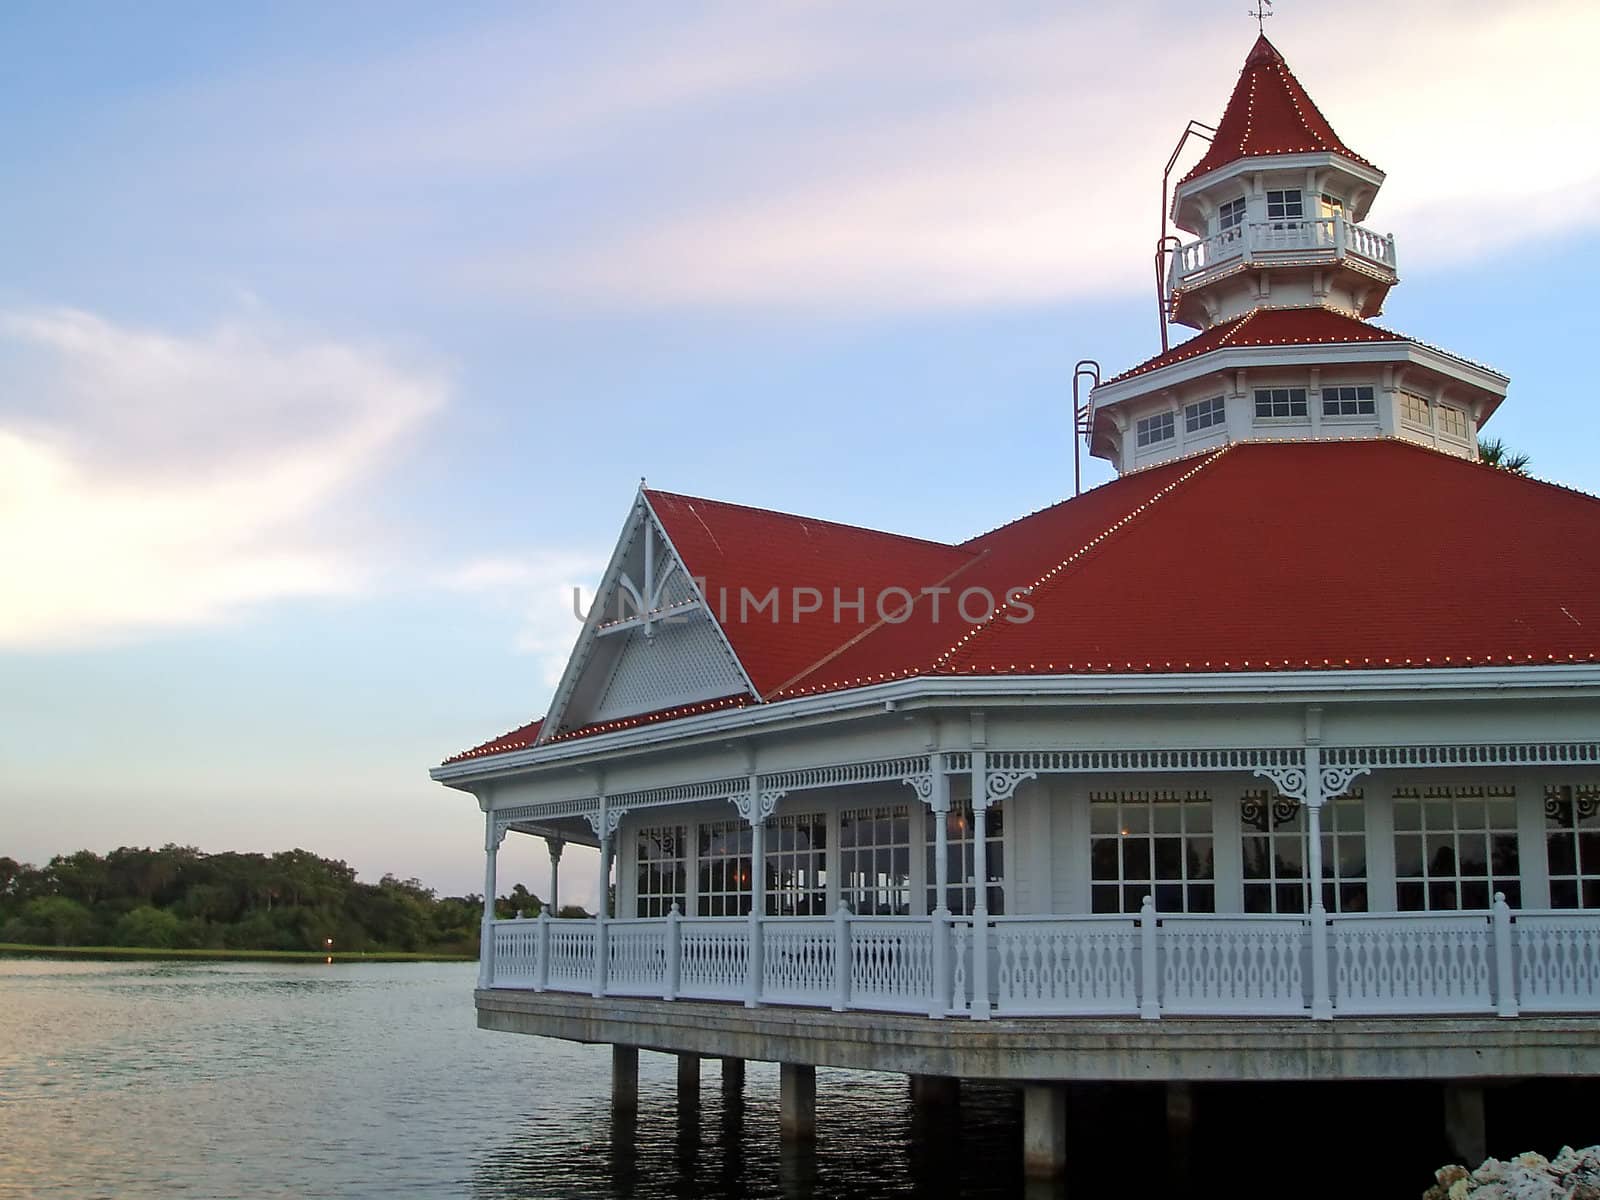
(1493,452)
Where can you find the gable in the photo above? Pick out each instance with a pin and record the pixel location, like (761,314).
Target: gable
(649,643)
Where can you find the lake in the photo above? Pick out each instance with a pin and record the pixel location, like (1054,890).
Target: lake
(214,1079)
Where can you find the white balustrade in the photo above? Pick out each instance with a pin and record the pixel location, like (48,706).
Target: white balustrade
(891,963)
(571,966)
(714,953)
(798,961)
(1150,964)
(1047,966)
(1327,237)
(636,963)
(1413,963)
(1558,961)
(516,953)
(1234,965)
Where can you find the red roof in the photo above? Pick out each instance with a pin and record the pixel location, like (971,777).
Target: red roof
(1262,556)
(1269,327)
(1269,113)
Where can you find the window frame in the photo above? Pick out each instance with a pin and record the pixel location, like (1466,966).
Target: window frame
(1145,429)
(657,868)
(1573,811)
(1128,809)
(1282,821)
(1363,401)
(1426,889)
(1205,414)
(1295,399)
(1283,218)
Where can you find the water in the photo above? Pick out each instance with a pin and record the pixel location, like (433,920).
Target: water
(203,1079)
(367,1080)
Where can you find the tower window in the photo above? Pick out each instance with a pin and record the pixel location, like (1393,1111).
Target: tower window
(1158,428)
(1348,402)
(1413,409)
(1285,205)
(1280,402)
(1452,422)
(1332,206)
(1203,415)
(1230,215)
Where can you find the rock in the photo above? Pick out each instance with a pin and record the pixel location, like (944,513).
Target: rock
(1571,1175)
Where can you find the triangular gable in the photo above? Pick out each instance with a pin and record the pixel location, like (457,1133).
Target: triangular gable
(649,642)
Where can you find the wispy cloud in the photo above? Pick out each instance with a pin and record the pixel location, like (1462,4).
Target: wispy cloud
(535,591)
(149,479)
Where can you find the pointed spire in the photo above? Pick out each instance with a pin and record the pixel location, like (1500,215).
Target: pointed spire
(1269,113)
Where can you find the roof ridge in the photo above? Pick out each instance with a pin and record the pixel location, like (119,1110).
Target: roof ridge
(775,512)
(1126,519)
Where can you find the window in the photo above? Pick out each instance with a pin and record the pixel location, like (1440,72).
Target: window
(1455,847)
(663,870)
(1230,216)
(960,893)
(797,866)
(1414,410)
(1158,428)
(723,868)
(1280,402)
(1285,206)
(875,860)
(1203,415)
(1348,402)
(1452,422)
(1572,844)
(1151,844)
(1332,206)
(1274,852)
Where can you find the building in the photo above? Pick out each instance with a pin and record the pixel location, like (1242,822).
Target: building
(1298,721)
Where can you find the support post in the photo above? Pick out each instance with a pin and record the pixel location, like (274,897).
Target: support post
(556,846)
(688,1078)
(1504,970)
(980,886)
(674,952)
(625,1078)
(797,1102)
(1321,1001)
(1149,989)
(758,898)
(841,957)
(1465,1126)
(732,1075)
(939,803)
(935,1091)
(1044,1130)
(1180,1131)
(493,835)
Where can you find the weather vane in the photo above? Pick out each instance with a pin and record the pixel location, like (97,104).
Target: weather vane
(1261,12)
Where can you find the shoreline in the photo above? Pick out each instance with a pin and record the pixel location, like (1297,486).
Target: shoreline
(21,950)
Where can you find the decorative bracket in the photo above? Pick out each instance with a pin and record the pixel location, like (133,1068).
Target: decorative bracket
(494,834)
(597,819)
(1289,780)
(922,784)
(758,804)
(998,786)
(1336,780)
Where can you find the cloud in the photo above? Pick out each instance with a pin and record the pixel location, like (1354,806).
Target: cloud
(537,589)
(150,479)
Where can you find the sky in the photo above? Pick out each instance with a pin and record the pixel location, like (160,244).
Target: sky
(335,339)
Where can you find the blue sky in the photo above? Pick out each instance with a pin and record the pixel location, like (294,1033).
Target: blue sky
(335,339)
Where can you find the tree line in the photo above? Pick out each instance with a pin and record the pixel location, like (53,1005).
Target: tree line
(180,898)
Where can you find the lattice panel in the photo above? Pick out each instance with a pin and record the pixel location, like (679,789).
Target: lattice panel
(879,771)
(1508,754)
(1142,760)
(684,662)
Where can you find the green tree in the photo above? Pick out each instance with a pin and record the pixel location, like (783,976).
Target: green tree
(50,921)
(1493,452)
(147,926)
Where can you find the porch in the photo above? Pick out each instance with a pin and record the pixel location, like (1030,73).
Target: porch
(1266,243)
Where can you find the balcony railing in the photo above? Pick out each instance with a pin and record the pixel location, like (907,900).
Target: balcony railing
(1148,964)
(1267,241)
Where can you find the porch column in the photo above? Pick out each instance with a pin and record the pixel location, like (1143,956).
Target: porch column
(1321,1003)
(758,893)
(980,890)
(603,907)
(493,835)
(939,803)
(556,845)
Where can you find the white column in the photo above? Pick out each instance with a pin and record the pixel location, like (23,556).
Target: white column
(758,896)
(939,804)
(980,890)
(1533,856)
(602,908)
(556,845)
(1321,1004)
(493,835)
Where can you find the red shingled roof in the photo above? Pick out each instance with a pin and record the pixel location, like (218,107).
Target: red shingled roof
(1269,113)
(1261,556)
(1269,327)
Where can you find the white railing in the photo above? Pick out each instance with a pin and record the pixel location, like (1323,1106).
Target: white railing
(1327,237)
(1146,964)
